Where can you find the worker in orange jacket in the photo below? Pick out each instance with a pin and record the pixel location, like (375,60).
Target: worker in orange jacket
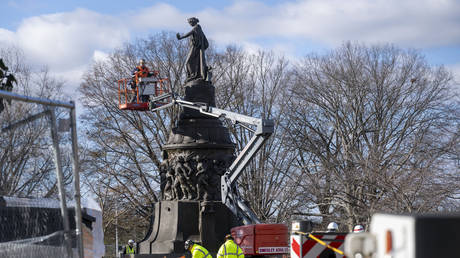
(141,71)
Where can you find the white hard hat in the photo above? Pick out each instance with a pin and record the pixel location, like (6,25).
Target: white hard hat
(130,241)
(188,244)
(332,226)
(358,229)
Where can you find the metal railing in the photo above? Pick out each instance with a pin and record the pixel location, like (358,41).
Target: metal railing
(160,87)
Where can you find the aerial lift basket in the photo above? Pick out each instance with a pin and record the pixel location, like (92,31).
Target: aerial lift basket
(156,91)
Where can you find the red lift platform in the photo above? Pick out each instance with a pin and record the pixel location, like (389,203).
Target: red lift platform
(151,92)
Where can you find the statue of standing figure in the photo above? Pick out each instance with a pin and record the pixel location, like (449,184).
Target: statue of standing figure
(196,60)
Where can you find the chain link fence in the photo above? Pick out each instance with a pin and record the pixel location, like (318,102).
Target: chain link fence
(52,245)
(34,228)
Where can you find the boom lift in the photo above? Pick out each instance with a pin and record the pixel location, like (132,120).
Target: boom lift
(254,238)
(263,130)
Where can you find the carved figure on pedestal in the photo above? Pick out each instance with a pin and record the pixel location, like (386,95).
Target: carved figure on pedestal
(202,184)
(192,175)
(164,166)
(196,60)
(183,181)
(169,192)
(191,170)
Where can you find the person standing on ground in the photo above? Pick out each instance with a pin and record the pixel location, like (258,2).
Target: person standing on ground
(129,249)
(230,249)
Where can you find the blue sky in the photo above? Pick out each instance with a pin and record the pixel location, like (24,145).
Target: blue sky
(67,35)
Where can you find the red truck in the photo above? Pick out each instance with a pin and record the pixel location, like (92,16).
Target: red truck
(262,239)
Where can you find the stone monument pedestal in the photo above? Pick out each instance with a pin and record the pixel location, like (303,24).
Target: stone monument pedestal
(176,221)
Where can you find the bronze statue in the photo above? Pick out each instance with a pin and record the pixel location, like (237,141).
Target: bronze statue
(196,61)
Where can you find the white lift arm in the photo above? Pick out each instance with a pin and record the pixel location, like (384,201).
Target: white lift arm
(229,189)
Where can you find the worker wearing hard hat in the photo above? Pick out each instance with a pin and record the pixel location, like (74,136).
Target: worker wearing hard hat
(328,253)
(141,71)
(129,249)
(230,249)
(197,250)
(358,229)
(332,227)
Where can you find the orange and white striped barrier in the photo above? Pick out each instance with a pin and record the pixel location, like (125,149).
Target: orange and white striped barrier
(306,245)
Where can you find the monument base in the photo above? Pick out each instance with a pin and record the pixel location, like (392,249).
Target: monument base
(176,221)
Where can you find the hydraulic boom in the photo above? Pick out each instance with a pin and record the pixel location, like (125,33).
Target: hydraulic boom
(263,130)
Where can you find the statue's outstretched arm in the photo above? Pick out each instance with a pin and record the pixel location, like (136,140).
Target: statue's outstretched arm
(185,35)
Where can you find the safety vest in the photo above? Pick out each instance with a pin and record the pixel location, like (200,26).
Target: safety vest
(230,250)
(130,250)
(199,252)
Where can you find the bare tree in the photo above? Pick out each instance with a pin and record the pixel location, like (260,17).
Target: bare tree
(26,162)
(254,85)
(372,127)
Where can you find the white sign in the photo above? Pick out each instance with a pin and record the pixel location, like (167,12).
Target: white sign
(272,250)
